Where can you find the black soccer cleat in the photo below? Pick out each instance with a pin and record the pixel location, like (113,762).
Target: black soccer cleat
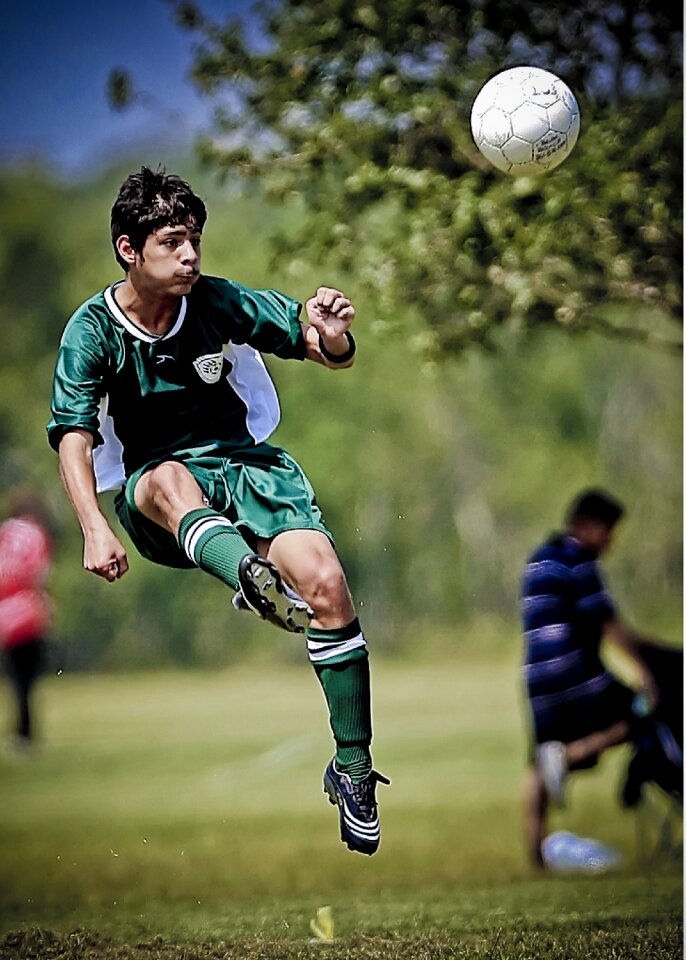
(357,808)
(264,592)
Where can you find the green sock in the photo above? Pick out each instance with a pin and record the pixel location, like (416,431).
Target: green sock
(213,543)
(341,663)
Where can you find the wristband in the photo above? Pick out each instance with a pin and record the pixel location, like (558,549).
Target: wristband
(339,357)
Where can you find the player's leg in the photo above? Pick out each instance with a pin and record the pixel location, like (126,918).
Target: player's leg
(573,736)
(535,813)
(578,752)
(335,643)
(171,497)
(19,671)
(338,652)
(555,759)
(308,560)
(35,652)
(24,665)
(580,749)
(176,514)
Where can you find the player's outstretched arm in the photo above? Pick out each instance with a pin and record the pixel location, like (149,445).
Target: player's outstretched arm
(103,553)
(327,332)
(626,639)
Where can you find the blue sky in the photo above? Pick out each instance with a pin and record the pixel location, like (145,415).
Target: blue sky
(54,69)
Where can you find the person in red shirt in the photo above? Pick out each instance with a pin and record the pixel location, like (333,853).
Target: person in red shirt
(25,611)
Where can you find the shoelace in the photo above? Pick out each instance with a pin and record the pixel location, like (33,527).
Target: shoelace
(365,793)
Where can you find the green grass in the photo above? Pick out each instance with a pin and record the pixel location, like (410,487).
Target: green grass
(188,807)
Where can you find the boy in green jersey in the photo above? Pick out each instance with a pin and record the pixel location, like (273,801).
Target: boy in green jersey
(160,389)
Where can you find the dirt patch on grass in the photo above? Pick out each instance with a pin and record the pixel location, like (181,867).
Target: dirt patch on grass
(663,942)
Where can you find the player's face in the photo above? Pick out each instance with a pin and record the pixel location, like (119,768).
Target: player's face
(597,536)
(170,260)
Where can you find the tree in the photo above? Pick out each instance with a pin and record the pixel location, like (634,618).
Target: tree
(436,480)
(360,108)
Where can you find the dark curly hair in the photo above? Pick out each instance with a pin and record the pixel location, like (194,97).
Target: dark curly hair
(150,200)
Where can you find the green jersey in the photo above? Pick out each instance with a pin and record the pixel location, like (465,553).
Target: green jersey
(200,388)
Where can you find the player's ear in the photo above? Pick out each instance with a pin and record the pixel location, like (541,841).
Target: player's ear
(125,250)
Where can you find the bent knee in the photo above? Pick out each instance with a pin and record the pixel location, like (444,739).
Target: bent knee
(328,582)
(326,588)
(166,476)
(167,489)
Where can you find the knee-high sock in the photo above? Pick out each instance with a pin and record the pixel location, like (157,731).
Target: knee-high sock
(341,663)
(213,543)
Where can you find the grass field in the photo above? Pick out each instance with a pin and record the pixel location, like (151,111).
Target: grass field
(181,815)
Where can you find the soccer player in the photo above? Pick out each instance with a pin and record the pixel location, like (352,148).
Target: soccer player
(160,389)
(578,708)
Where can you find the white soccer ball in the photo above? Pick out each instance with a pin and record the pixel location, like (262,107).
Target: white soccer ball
(525,121)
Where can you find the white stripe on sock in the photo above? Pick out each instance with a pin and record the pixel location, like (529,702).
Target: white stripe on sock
(196,531)
(324,650)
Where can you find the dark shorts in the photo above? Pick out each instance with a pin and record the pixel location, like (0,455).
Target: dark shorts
(261,489)
(583,716)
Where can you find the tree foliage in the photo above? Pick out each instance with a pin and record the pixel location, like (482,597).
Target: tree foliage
(361,109)
(436,479)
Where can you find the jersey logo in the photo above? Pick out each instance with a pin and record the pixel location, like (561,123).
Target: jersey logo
(209,367)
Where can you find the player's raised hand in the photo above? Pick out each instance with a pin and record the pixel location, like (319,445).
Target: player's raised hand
(330,312)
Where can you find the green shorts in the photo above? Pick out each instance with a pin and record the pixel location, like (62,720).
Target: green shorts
(261,489)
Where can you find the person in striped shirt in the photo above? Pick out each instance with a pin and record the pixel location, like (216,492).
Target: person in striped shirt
(578,708)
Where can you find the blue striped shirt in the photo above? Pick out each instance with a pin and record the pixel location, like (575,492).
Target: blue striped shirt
(564,607)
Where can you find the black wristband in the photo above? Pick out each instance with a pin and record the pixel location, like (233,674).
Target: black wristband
(339,357)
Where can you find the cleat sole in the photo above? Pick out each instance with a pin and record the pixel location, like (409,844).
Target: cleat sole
(264,592)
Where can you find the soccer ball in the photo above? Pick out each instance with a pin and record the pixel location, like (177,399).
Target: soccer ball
(525,121)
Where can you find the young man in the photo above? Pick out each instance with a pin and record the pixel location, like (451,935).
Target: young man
(160,387)
(578,708)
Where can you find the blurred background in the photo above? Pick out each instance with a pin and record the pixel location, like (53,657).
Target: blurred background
(519,338)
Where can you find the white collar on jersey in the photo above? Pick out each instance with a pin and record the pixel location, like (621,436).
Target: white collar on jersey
(137,331)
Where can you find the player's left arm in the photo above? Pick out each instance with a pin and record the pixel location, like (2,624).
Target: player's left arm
(632,643)
(327,335)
